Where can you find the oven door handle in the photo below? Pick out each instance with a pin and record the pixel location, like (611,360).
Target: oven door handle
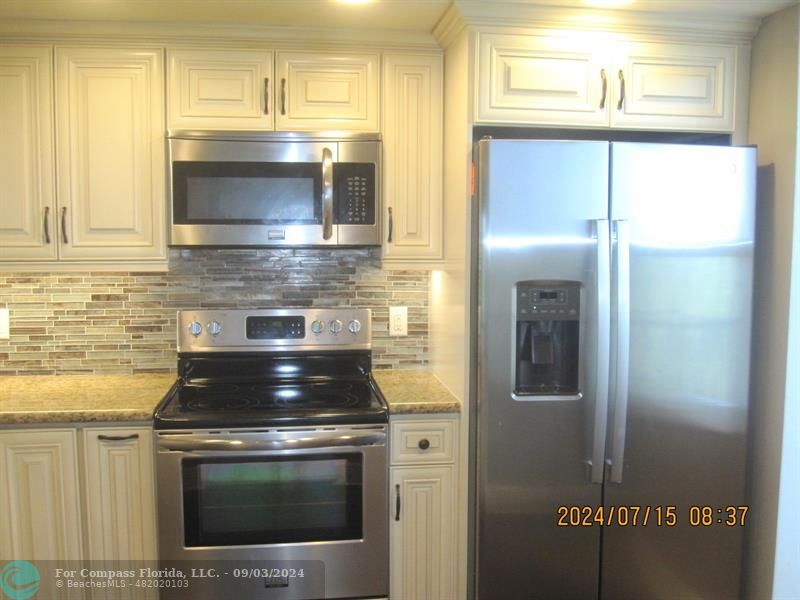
(196,443)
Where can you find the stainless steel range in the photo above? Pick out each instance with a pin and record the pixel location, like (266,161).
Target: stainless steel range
(272,451)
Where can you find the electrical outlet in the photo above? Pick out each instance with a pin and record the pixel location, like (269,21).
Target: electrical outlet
(4,324)
(398,320)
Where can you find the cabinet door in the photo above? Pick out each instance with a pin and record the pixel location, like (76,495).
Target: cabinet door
(120,499)
(423,550)
(110,143)
(220,89)
(412,153)
(688,87)
(327,91)
(39,495)
(526,79)
(26,153)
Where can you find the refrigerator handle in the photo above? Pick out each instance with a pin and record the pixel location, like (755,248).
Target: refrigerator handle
(623,351)
(603,347)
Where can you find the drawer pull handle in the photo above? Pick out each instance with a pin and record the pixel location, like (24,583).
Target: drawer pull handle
(397,502)
(118,438)
(424,444)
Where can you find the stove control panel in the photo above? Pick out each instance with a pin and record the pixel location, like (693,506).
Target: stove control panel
(274,330)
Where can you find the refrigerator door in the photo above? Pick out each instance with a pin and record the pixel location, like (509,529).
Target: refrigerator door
(543,234)
(684,217)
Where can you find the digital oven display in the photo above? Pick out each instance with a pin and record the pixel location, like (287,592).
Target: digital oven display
(275,328)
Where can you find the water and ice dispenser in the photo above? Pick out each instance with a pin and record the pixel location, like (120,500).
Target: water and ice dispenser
(547,338)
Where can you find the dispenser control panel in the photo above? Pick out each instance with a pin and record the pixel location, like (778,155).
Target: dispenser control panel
(537,301)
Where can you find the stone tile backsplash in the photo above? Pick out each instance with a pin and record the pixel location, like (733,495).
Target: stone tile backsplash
(124,322)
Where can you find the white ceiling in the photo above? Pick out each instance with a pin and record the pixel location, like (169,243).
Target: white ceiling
(411,15)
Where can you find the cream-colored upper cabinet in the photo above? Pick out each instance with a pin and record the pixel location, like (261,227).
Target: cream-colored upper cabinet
(327,91)
(40,516)
(27,200)
(263,90)
(582,79)
(110,148)
(220,89)
(412,157)
(526,79)
(675,86)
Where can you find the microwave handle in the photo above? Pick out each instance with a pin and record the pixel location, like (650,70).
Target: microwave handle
(327,194)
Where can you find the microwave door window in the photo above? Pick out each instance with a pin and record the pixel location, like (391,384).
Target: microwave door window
(247,193)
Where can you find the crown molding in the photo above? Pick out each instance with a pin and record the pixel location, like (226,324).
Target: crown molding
(160,33)
(449,26)
(482,15)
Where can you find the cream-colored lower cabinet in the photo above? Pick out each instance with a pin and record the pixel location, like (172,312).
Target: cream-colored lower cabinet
(40,516)
(423,508)
(120,502)
(79,494)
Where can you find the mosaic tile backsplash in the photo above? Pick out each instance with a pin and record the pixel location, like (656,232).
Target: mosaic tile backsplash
(103,322)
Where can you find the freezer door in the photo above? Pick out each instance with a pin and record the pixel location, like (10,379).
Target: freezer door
(543,229)
(684,219)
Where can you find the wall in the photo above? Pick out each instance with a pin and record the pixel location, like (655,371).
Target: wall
(125,322)
(774,128)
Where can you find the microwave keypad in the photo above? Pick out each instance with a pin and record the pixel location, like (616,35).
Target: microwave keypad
(355,193)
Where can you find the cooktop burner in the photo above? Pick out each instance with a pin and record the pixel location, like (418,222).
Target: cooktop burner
(281,367)
(268,396)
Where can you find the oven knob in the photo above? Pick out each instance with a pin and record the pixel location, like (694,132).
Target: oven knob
(195,328)
(214,328)
(336,326)
(354,326)
(318,326)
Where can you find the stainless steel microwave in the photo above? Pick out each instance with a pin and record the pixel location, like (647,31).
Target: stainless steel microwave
(274,189)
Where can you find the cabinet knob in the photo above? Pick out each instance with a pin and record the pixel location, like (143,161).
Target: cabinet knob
(424,444)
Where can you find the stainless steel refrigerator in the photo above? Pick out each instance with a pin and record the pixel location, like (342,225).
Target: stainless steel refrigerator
(614,296)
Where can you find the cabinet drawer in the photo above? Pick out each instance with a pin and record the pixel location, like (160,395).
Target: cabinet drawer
(423,442)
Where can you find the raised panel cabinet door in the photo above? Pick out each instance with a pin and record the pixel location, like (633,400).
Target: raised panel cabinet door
(220,89)
(328,91)
(527,79)
(412,155)
(423,547)
(110,147)
(120,501)
(27,198)
(40,515)
(689,87)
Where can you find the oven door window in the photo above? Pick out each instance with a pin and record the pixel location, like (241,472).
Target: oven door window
(238,193)
(255,501)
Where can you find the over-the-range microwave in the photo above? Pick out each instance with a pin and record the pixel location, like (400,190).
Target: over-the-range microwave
(274,189)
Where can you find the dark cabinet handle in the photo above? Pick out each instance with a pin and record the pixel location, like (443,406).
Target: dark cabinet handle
(424,444)
(397,502)
(64,225)
(605,88)
(118,438)
(266,95)
(46,224)
(283,96)
(621,102)
(391,226)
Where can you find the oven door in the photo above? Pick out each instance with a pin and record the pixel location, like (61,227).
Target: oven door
(240,193)
(293,498)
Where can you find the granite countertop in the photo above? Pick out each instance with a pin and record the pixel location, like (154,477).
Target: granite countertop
(28,399)
(415,392)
